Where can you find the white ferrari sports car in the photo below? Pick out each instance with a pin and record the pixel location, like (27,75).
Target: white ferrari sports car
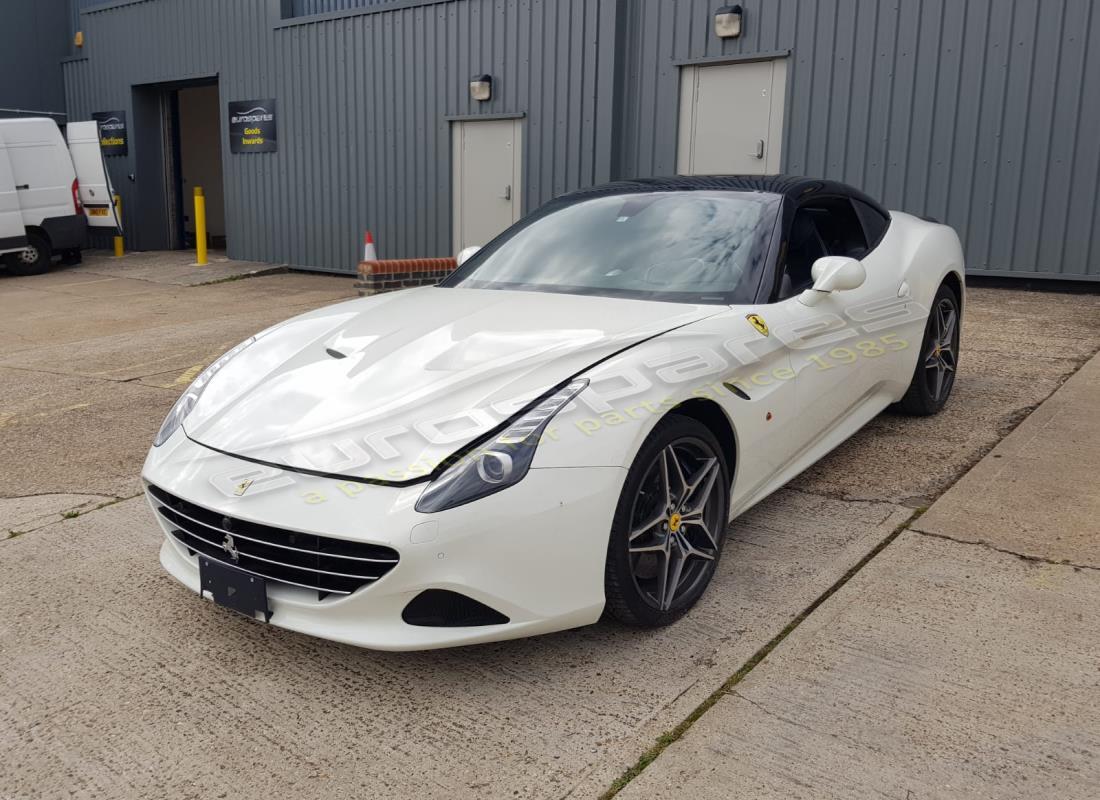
(564,427)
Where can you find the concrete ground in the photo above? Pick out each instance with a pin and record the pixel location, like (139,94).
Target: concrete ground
(117,682)
(176,267)
(961,662)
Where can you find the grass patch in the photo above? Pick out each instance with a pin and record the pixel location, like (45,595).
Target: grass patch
(666,739)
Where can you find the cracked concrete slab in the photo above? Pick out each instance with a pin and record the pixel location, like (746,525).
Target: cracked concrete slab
(179,684)
(175,267)
(65,434)
(1017,348)
(1052,459)
(942,670)
(165,348)
(28,513)
(41,312)
(952,665)
(190,699)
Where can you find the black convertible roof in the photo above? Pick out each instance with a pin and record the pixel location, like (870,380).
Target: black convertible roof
(792,187)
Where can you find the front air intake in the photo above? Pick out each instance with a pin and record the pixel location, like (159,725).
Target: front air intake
(439,608)
(326,564)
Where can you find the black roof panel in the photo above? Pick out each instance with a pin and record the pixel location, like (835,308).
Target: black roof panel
(793,187)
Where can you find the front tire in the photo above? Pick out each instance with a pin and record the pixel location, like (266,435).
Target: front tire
(667,534)
(34,260)
(934,376)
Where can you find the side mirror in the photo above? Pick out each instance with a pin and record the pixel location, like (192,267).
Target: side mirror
(833,274)
(466,253)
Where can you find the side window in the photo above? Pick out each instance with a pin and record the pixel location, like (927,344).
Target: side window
(840,228)
(874,222)
(804,247)
(826,226)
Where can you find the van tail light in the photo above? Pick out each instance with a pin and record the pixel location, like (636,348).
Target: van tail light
(76,197)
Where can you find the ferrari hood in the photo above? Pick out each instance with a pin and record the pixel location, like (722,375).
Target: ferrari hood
(386,387)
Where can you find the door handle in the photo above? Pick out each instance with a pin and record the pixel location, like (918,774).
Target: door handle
(507,193)
(23,186)
(759,152)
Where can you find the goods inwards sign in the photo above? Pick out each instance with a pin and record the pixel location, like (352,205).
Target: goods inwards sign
(252,126)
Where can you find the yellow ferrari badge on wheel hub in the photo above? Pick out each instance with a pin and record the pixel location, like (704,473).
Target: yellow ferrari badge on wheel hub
(674,523)
(757,322)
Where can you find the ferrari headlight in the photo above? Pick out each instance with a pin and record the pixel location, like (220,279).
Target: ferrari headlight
(190,397)
(500,462)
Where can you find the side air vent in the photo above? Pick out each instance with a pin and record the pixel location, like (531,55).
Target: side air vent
(737,390)
(440,608)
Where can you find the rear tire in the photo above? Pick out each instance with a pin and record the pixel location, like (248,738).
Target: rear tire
(934,375)
(34,260)
(669,524)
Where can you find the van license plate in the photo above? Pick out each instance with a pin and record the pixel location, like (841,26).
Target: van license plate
(97,212)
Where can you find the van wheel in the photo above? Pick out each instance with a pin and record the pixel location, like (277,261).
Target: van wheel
(34,260)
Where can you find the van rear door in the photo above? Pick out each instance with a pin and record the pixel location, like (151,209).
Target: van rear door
(13,236)
(96,193)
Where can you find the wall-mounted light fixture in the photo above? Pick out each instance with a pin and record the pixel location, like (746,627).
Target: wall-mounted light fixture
(481,87)
(727,22)
(78,38)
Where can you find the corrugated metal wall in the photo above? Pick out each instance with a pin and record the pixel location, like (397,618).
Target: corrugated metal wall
(363,101)
(982,113)
(302,8)
(34,38)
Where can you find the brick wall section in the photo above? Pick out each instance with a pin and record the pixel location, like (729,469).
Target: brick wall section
(376,277)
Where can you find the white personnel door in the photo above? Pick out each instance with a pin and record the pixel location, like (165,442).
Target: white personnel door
(487,179)
(731,118)
(96,193)
(13,236)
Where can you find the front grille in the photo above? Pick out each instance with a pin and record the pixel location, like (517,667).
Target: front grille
(327,565)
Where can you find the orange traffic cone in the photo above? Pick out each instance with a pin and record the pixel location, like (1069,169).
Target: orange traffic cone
(369,253)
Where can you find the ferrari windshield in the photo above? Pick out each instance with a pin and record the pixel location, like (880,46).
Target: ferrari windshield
(685,246)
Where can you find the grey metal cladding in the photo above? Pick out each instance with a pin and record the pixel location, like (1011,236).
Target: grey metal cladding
(981,113)
(363,139)
(34,37)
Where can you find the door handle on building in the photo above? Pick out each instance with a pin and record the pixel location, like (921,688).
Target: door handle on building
(759,152)
(507,193)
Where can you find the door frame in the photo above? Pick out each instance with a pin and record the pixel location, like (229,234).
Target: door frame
(777,119)
(159,204)
(458,126)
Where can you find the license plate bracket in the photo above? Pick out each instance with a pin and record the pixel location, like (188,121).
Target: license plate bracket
(234,588)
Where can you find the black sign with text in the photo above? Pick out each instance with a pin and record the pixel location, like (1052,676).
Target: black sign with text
(113,138)
(252,126)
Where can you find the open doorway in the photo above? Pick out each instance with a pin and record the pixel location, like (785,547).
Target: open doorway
(200,162)
(178,146)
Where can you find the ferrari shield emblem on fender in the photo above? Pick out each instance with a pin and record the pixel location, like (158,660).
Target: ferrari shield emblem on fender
(242,487)
(758,322)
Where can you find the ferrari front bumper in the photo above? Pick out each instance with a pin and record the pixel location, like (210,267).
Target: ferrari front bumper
(534,552)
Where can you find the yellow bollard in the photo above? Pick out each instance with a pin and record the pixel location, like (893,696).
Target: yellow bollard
(120,250)
(200,226)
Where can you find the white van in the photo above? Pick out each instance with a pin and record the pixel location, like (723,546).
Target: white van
(50,192)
